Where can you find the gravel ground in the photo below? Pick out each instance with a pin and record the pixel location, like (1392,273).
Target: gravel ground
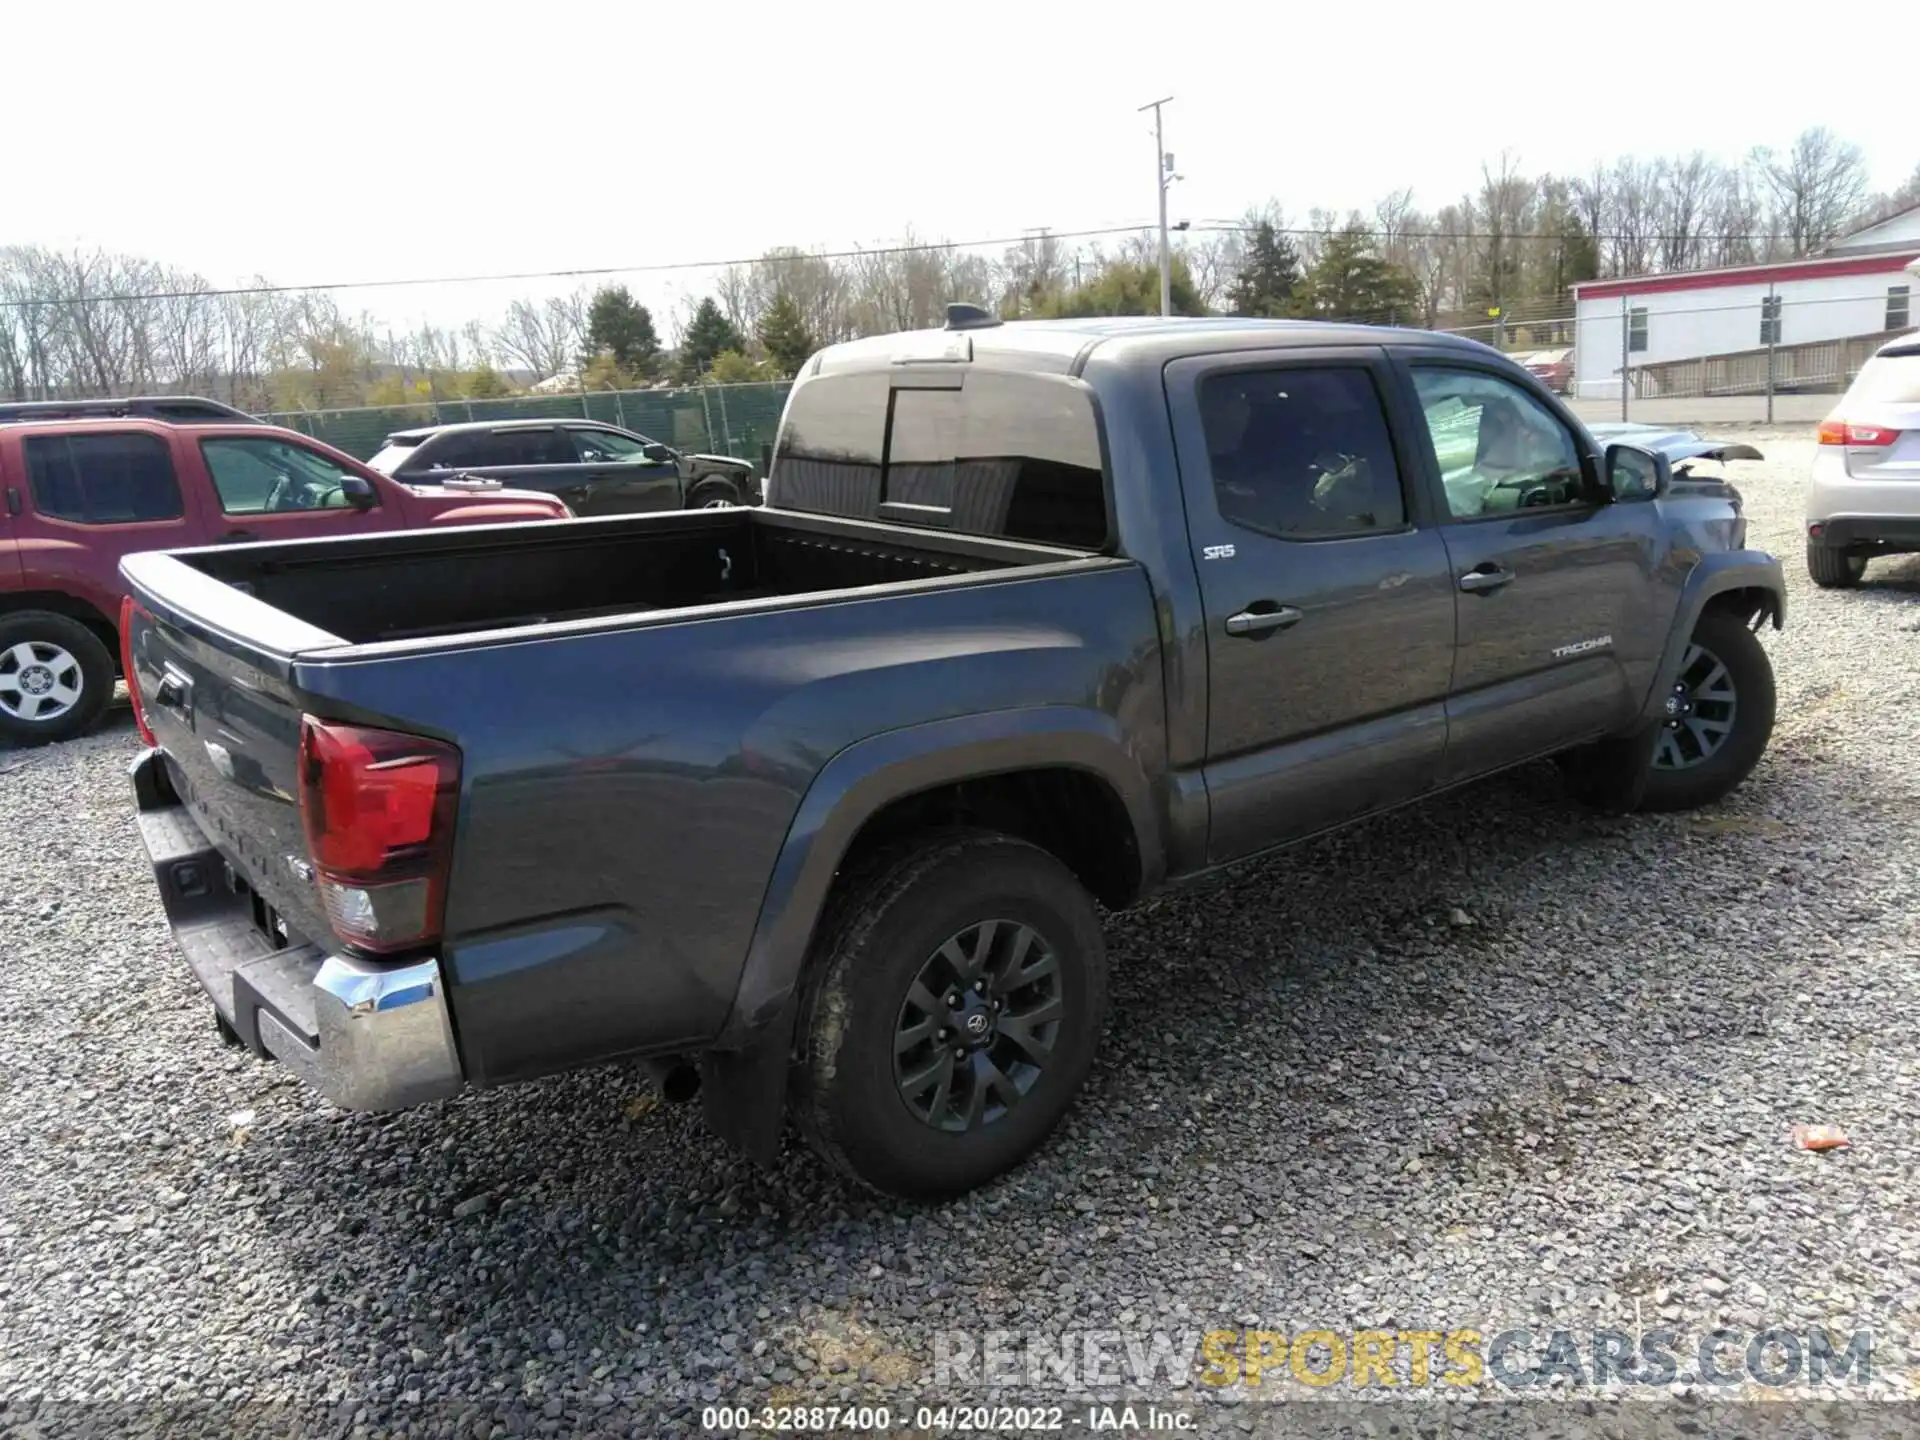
(1489,1063)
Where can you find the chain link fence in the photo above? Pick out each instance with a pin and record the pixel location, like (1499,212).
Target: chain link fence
(1629,363)
(716,419)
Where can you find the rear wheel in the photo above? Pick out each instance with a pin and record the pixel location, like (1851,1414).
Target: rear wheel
(714,495)
(55,677)
(1717,718)
(955,1003)
(1833,569)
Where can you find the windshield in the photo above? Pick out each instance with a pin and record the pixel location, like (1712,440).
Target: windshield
(391,456)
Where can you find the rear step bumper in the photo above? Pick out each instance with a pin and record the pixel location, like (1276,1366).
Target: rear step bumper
(367,1036)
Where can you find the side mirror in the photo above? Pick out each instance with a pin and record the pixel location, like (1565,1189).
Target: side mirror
(1634,473)
(360,492)
(660,454)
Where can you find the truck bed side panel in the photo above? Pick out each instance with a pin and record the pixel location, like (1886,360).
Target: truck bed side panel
(626,794)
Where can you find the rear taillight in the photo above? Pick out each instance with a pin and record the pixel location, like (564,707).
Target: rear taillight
(127,611)
(1839,432)
(378,808)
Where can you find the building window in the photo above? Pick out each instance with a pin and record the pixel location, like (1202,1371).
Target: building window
(1899,307)
(1637,330)
(1770,320)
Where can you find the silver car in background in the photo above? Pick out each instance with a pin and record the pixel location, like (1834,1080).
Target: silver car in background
(1864,496)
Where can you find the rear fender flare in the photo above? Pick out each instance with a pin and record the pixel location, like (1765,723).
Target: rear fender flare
(867,776)
(1752,570)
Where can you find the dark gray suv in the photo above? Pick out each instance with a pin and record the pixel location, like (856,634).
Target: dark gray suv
(597,469)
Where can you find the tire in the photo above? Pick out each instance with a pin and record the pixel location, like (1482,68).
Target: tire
(1833,569)
(713,494)
(43,657)
(897,923)
(1721,642)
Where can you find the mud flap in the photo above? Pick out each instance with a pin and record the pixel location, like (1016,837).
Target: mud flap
(1611,775)
(743,1093)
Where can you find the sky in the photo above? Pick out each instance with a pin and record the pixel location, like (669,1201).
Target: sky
(316,144)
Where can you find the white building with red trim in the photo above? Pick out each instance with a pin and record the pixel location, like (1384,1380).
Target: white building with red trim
(1860,289)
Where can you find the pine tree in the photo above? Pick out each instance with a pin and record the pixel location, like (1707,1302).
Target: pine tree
(1270,276)
(1350,281)
(784,335)
(620,326)
(708,334)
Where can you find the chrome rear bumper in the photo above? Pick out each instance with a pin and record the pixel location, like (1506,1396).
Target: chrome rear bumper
(367,1035)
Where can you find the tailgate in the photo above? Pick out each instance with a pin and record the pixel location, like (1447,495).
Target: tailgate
(214,667)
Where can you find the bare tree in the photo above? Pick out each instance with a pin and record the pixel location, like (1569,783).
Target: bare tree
(544,337)
(1816,188)
(1593,203)
(1903,196)
(820,287)
(1031,272)
(1506,204)
(904,288)
(1683,190)
(1735,230)
(1635,215)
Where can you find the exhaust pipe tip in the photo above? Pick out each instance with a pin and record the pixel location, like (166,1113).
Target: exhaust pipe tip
(676,1080)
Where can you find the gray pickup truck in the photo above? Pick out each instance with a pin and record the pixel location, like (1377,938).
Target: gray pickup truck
(811,806)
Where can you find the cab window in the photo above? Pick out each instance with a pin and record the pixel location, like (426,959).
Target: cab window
(1302,452)
(604,447)
(1497,448)
(272,477)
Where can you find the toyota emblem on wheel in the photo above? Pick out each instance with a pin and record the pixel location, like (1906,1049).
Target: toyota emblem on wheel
(977,1023)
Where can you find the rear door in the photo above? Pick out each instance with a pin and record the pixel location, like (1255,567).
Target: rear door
(1329,604)
(529,457)
(270,487)
(84,497)
(618,478)
(1554,582)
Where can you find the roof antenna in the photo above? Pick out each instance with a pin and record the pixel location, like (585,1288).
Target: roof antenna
(962,316)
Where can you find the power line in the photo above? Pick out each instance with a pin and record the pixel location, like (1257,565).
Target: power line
(1212,227)
(1713,237)
(586,272)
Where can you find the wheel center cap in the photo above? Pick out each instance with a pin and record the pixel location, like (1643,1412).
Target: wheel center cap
(36,679)
(974,1020)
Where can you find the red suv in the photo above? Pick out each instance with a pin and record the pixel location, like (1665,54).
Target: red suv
(80,493)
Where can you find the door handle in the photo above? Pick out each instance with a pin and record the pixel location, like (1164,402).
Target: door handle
(1479,582)
(236,536)
(1261,622)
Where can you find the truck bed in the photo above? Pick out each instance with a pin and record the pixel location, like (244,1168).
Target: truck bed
(639,704)
(427,584)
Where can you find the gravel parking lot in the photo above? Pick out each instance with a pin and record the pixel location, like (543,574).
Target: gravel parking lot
(1490,1063)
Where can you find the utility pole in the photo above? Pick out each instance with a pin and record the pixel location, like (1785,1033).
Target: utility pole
(1162,169)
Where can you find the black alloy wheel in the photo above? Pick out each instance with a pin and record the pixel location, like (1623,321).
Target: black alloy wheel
(978,1025)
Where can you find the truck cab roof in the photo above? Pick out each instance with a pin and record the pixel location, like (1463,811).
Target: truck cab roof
(1065,346)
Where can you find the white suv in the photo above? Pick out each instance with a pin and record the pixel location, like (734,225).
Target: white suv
(1864,499)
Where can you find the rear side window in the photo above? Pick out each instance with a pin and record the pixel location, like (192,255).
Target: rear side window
(1301,453)
(529,447)
(102,479)
(1014,456)
(471,450)
(1888,380)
